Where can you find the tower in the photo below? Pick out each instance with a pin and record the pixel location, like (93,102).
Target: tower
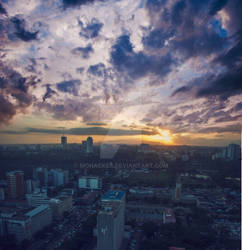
(89,145)
(15,181)
(63,141)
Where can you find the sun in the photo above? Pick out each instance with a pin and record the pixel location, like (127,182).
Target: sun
(164,136)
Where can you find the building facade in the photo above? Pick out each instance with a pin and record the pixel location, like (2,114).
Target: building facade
(15,184)
(110,221)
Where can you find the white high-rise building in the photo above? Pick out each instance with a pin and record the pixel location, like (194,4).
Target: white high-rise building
(110,221)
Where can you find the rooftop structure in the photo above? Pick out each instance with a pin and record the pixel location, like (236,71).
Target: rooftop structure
(113,195)
(37,210)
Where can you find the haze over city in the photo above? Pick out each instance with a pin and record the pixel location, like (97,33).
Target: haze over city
(131,71)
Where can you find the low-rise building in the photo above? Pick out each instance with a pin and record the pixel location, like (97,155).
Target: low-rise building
(59,205)
(22,223)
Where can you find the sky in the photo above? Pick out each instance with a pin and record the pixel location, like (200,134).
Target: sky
(123,71)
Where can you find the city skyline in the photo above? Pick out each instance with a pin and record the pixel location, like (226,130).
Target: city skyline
(161,72)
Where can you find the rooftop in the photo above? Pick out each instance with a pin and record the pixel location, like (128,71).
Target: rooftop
(113,195)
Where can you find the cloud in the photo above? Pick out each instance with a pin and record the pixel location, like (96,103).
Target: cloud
(80,70)
(96,124)
(232,58)
(236,128)
(216,6)
(202,43)
(70,86)
(91,30)
(157,38)
(7,110)
(138,65)
(83,51)
(71,110)
(222,85)
(2,10)
(20,30)
(83,131)
(98,70)
(225,85)
(49,92)
(14,91)
(74,3)
(183,89)
(237,107)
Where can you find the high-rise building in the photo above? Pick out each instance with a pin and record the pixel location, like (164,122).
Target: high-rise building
(59,177)
(89,145)
(41,176)
(29,186)
(110,221)
(178,189)
(64,141)
(2,194)
(84,146)
(233,152)
(90,182)
(15,182)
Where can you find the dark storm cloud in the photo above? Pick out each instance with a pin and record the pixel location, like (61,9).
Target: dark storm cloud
(201,43)
(233,8)
(187,23)
(232,58)
(216,6)
(83,51)
(91,30)
(177,12)
(223,85)
(70,87)
(7,110)
(74,3)
(138,64)
(155,5)
(14,92)
(21,32)
(2,10)
(237,107)
(156,38)
(49,92)
(83,131)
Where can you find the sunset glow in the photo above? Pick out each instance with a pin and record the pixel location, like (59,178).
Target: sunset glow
(164,137)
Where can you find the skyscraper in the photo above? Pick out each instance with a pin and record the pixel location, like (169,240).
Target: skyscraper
(89,145)
(233,152)
(63,141)
(15,182)
(110,221)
